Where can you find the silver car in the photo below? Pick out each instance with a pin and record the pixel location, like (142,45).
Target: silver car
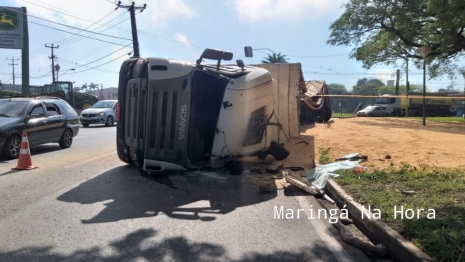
(102,112)
(372,111)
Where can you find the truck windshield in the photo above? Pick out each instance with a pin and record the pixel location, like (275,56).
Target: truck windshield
(12,108)
(103,104)
(382,100)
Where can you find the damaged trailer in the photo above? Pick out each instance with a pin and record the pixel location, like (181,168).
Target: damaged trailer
(315,105)
(175,115)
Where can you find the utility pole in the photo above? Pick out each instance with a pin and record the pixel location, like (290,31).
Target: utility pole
(132,8)
(13,64)
(53,60)
(407,86)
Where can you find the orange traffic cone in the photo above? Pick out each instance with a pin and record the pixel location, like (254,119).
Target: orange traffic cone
(24,160)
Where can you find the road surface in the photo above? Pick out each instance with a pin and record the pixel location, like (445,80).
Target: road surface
(84,204)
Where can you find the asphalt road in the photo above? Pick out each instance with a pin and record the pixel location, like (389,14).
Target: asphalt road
(84,204)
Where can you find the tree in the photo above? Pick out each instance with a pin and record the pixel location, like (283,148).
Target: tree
(84,87)
(275,58)
(93,86)
(338,89)
(76,89)
(382,31)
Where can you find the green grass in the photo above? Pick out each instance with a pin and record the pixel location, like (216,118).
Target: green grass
(324,157)
(439,189)
(338,115)
(441,119)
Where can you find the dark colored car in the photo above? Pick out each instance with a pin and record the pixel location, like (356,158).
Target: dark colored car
(45,120)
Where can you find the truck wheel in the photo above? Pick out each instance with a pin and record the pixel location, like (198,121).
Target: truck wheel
(66,139)
(12,147)
(277,150)
(109,121)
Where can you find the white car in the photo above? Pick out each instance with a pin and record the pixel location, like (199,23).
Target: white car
(102,112)
(372,111)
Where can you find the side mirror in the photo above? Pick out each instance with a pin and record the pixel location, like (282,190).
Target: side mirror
(215,54)
(248,51)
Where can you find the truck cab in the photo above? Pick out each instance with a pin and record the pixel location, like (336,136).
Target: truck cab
(390,104)
(178,115)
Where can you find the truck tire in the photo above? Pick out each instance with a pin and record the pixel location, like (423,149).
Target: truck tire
(277,151)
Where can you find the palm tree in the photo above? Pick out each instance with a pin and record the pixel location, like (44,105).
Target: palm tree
(84,87)
(93,86)
(275,58)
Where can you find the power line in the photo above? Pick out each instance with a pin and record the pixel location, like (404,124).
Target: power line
(102,57)
(76,34)
(70,37)
(108,27)
(64,13)
(99,65)
(73,27)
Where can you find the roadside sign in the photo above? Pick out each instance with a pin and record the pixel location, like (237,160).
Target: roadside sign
(11,28)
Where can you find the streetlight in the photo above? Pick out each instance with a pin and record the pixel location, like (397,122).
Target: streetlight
(72,69)
(424,50)
(249,53)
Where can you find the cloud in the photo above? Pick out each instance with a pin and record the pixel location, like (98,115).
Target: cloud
(183,40)
(289,10)
(384,75)
(165,10)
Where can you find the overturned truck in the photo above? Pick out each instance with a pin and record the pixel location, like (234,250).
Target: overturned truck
(175,115)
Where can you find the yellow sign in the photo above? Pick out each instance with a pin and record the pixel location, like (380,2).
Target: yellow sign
(86,106)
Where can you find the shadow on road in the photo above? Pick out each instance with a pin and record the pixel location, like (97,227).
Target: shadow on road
(142,245)
(190,195)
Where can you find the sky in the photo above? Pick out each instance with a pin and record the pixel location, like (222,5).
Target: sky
(182,29)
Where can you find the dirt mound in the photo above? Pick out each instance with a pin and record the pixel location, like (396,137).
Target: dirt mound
(386,142)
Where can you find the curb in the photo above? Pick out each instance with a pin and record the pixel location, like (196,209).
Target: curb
(399,248)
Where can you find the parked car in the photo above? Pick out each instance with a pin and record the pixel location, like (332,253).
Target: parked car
(372,111)
(102,112)
(45,120)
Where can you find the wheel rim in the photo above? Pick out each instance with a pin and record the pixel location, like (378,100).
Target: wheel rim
(15,147)
(109,120)
(68,138)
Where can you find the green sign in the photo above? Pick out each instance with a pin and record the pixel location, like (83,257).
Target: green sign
(9,19)
(11,27)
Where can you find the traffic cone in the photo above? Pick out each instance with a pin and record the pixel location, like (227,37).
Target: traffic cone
(24,160)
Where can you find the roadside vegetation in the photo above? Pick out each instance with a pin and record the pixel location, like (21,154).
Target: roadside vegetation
(441,119)
(441,190)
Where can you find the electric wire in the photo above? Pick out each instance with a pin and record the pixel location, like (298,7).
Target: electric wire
(98,65)
(73,27)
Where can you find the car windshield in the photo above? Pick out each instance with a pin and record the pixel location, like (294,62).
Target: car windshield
(10,108)
(369,108)
(104,104)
